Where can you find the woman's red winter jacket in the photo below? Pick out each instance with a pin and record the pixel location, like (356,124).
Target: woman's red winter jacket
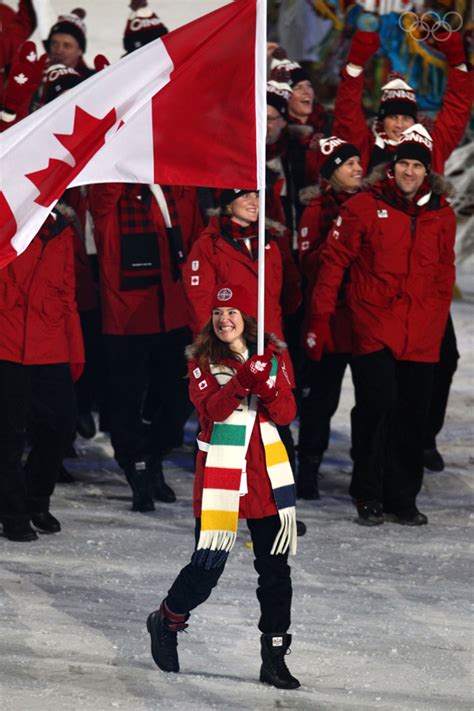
(214,403)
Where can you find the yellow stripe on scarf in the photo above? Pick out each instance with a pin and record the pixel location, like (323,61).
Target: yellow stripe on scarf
(275,453)
(219,520)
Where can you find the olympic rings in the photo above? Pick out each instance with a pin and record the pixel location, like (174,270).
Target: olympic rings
(430,24)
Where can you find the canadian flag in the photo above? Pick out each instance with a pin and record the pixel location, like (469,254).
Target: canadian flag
(186,109)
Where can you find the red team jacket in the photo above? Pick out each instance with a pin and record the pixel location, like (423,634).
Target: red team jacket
(402,274)
(351,125)
(39,322)
(154,309)
(214,403)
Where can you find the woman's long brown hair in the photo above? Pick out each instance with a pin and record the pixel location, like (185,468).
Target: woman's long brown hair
(207,348)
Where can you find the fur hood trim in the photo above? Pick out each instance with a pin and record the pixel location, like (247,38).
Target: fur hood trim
(311,192)
(296,130)
(438,183)
(275,227)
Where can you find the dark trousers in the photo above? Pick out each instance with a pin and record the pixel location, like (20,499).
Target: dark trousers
(442,379)
(389,423)
(194,584)
(90,386)
(147,370)
(40,397)
(318,407)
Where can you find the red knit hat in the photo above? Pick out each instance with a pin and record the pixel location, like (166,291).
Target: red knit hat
(72,24)
(143,26)
(416,144)
(398,97)
(234,296)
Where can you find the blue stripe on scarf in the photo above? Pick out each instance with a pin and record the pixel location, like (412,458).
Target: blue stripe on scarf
(285,496)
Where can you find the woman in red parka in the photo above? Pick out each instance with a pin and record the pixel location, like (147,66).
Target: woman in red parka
(242,471)
(41,352)
(341,178)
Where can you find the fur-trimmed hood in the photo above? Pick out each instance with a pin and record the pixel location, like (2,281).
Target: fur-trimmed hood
(438,183)
(309,193)
(280,346)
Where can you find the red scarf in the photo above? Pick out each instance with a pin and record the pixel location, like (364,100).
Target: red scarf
(232,231)
(388,189)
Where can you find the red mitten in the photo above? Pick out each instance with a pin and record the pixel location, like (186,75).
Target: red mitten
(76,371)
(100,62)
(255,370)
(363,46)
(25,77)
(452,46)
(266,391)
(317,336)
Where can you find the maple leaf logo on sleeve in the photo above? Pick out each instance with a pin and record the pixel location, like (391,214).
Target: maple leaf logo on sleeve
(87,137)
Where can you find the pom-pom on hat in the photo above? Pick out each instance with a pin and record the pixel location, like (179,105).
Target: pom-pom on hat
(415,144)
(295,70)
(333,153)
(72,24)
(279,90)
(143,26)
(57,79)
(229,195)
(234,296)
(397,98)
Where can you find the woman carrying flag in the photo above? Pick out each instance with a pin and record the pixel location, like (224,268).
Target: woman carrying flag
(242,471)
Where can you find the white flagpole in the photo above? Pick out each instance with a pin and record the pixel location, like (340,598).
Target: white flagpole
(261,129)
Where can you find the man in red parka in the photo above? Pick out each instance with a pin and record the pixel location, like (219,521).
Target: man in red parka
(398,239)
(398,107)
(41,353)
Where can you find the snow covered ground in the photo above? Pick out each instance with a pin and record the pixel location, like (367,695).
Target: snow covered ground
(381,617)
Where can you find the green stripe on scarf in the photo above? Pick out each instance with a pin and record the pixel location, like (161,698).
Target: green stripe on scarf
(227,451)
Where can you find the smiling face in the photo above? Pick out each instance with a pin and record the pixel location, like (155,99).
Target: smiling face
(65,49)
(301,103)
(409,175)
(348,176)
(228,325)
(395,125)
(244,209)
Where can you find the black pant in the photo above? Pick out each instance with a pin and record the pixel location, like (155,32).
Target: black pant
(318,407)
(90,386)
(443,377)
(40,397)
(147,370)
(194,584)
(389,423)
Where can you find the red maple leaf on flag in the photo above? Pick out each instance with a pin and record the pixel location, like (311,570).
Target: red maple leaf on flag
(7,231)
(87,137)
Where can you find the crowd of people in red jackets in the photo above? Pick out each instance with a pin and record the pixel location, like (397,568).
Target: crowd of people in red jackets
(96,314)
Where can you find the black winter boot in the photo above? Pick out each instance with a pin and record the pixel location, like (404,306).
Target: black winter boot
(18,528)
(46,522)
(139,478)
(370,513)
(163,626)
(274,671)
(161,490)
(308,471)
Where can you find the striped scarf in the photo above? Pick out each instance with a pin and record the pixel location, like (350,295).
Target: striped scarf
(225,463)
